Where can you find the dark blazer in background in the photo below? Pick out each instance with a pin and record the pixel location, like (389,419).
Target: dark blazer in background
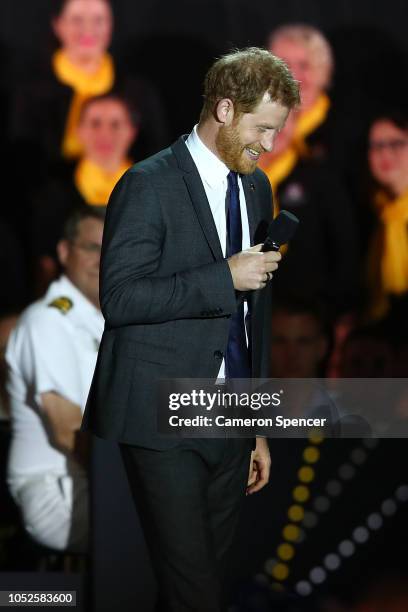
(167,294)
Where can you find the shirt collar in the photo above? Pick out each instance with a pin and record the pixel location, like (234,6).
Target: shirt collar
(212,170)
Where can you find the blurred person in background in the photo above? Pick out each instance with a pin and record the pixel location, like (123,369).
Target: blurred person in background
(51,355)
(308,54)
(387,220)
(108,125)
(299,340)
(320,262)
(46,108)
(367,353)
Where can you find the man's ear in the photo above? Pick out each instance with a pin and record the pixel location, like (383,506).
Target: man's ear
(224,111)
(63,251)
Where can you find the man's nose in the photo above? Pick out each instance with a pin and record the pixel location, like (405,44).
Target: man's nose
(268,141)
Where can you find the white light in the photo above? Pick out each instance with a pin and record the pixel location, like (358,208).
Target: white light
(310,520)
(332,562)
(321,503)
(402,493)
(301,537)
(318,575)
(358,456)
(361,535)
(374,521)
(346,548)
(347,471)
(388,507)
(269,565)
(304,588)
(334,488)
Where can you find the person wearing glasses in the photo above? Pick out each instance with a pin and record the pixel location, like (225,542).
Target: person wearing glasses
(51,355)
(387,259)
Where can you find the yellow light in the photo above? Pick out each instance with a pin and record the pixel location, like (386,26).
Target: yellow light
(311,454)
(286,552)
(280,571)
(296,513)
(301,493)
(316,437)
(291,533)
(306,474)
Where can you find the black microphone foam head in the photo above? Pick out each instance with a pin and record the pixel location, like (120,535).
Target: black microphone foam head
(283,228)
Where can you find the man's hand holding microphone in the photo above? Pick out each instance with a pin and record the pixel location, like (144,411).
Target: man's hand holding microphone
(252,269)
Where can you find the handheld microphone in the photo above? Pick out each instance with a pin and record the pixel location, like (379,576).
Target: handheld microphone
(280,231)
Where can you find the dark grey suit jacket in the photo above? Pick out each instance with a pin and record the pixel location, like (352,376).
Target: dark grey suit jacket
(166,293)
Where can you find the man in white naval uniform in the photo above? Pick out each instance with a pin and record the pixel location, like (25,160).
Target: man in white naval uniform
(51,357)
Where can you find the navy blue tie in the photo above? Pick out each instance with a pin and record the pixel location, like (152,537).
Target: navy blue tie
(236,356)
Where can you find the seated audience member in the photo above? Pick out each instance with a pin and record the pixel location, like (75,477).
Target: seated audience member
(107,127)
(367,353)
(46,109)
(387,260)
(299,341)
(321,259)
(51,355)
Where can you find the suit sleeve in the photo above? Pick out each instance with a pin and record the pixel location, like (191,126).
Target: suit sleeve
(131,292)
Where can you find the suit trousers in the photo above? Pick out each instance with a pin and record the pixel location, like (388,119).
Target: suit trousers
(188,500)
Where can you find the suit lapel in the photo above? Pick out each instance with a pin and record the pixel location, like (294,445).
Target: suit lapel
(203,212)
(251,205)
(198,196)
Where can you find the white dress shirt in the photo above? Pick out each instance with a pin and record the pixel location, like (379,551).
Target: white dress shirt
(213,173)
(48,350)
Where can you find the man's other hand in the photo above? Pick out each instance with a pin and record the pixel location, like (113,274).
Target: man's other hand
(251,269)
(260,467)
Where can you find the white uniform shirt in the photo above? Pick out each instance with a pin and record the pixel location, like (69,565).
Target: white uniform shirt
(213,173)
(49,350)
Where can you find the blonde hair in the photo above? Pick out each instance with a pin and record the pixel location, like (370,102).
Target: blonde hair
(313,40)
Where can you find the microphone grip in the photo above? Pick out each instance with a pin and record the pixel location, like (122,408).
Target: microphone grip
(269,245)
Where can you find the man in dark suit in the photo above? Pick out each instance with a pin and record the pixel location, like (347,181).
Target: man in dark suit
(179,278)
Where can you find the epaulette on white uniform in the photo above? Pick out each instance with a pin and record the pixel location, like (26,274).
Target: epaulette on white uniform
(63,304)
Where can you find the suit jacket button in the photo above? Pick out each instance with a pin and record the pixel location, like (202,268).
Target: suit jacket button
(218,354)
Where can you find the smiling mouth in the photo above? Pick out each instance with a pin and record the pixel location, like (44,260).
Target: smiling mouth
(252,153)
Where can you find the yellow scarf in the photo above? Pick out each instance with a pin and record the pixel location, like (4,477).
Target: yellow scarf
(85,86)
(388,260)
(309,121)
(95,184)
(278,170)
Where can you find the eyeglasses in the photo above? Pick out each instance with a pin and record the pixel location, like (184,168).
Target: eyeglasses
(92,248)
(396,145)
